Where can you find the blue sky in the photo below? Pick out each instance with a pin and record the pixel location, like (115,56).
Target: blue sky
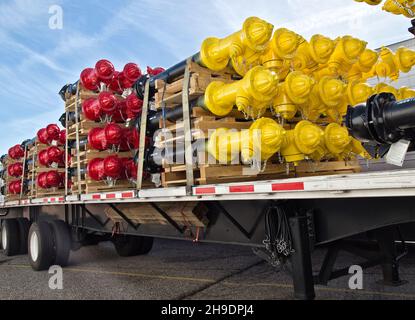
(35,61)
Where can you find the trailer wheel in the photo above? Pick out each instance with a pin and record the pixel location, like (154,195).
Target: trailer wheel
(147,245)
(41,252)
(24,226)
(130,246)
(10,237)
(62,241)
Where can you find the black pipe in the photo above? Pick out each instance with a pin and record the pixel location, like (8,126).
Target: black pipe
(82,143)
(28,143)
(171,114)
(71,118)
(155,157)
(382,120)
(73,172)
(68,90)
(168,75)
(3,158)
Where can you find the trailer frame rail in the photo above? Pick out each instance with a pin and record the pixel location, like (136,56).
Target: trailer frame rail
(399,183)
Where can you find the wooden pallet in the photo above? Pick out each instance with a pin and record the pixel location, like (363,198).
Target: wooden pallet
(213,174)
(11,161)
(190,214)
(176,175)
(171,93)
(84,94)
(55,192)
(327,168)
(85,126)
(87,185)
(10,197)
(35,168)
(88,155)
(8,180)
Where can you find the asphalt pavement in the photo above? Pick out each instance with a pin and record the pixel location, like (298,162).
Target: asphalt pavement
(184,270)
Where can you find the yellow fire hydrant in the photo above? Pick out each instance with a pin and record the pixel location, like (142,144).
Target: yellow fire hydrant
(266,137)
(215,53)
(301,142)
(280,52)
(252,95)
(263,140)
(405,93)
(400,7)
(276,57)
(311,54)
(365,64)
(355,148)
(357,92)
(386,67)
(405,59)
(336,140)
(385,88)
(325,98)
(371,2)
(347,52)
(292,93)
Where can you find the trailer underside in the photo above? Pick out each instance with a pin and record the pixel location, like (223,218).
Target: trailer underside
(322,211)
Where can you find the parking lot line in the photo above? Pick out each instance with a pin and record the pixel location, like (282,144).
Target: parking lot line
(127,274)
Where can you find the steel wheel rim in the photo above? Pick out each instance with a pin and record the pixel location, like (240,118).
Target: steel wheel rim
(34,246)
(4,238)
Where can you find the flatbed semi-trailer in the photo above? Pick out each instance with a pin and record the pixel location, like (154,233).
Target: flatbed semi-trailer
(320,211)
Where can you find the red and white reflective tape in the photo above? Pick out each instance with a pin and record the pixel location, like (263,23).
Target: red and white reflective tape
(163,193)
(249,188)
(109,196)
(366,181)
(25,202)
(12,203)
(49,200)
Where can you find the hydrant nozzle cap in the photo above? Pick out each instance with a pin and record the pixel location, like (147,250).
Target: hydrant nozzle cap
(286,43)
(257,32)
(264,82)
(321,48)
(353,47)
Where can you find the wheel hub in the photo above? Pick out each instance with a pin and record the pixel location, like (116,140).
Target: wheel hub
(4,238)
(34,246)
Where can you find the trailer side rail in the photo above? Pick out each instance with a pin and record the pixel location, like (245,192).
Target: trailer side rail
(375,184)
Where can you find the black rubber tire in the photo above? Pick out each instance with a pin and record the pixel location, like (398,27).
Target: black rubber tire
(11,227)
(147,245)
(130,246)
(46,252)
(24,226)
(62,242)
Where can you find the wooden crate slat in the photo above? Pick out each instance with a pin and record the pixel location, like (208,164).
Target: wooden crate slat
(185,214)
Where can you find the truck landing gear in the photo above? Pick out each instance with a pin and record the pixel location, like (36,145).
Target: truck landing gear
(130,246)
(383,253)
(49,244)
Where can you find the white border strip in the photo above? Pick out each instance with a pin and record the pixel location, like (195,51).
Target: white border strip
(163,193)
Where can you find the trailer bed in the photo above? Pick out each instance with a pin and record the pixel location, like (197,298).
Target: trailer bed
(398,183)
